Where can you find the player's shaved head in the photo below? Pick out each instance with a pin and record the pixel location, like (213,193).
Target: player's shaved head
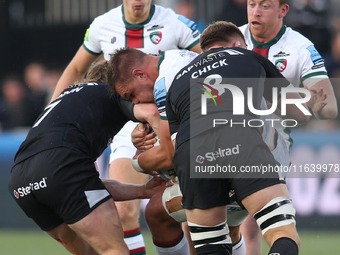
(222,33)
(121,64)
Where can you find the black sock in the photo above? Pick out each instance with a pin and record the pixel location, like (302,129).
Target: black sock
(284,246)
(214,249)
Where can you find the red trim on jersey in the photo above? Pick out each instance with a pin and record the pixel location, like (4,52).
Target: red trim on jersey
(263,52)
(134,38)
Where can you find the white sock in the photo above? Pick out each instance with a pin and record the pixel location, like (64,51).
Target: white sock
(179,246)
(135,241)
(239,248)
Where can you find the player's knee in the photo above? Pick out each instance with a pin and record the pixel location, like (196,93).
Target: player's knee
(128,211)
(235,234)
(251,230)
(155,213)
(277,219)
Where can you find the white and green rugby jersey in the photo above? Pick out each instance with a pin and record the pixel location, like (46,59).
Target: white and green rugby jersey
(296,58)
(163,30)
(293,54)
(170,63)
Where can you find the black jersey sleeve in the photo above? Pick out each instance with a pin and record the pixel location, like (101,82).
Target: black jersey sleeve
(274,79)
(127,107)
(171,115)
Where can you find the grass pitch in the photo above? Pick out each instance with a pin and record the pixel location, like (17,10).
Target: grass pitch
(38,243)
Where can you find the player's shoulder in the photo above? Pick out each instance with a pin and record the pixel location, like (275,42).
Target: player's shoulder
(160,11)
(244,28)
(167,15)
(177,59)
(109,16)
(180,55)
(295,39)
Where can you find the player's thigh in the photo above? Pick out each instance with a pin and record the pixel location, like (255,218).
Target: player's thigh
(73,242)
(122,170)
(207,217)
(122,151)
(102,229)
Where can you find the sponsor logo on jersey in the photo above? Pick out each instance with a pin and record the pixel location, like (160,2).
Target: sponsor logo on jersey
(318,66)
(155,27)
(200,159)
(221,153)
(281,55)
(86,38)
(281,64)
(315,55)
(189,23)
(156,37)
(113,40)
(24,191)
(159,94)
(197,33)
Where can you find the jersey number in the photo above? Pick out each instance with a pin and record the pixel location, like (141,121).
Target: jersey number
(48,109)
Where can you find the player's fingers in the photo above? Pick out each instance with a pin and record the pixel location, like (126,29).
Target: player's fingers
(140,126)
(150,136)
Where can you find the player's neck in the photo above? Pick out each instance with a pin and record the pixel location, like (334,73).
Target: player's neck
(132,19)
(269,36)
(153,67)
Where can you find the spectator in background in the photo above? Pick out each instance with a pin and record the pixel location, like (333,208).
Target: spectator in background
(51,79)
(15,105)
(234,11)
(312,19)
(188,9)
(34,77)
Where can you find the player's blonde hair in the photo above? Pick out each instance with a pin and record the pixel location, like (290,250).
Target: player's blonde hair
(97,72)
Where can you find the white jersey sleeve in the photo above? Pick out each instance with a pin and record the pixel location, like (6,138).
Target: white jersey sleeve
(98,35)
(91,41)
(171,62)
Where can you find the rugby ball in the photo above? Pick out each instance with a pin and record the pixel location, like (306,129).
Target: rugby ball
(167,174)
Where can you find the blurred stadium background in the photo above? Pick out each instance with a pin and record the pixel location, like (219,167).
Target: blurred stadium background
(50,32)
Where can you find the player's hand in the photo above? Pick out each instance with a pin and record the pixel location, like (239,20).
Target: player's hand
(317,101)
(141,138)
(154,185)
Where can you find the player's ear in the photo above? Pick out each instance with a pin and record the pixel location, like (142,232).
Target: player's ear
(283,10)
(139,74)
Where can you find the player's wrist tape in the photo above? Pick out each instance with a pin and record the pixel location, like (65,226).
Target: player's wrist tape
(136,165)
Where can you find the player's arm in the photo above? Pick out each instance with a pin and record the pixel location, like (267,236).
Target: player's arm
(159,158)
(147,113)
(323,102)
(75,70)
(122,191)
(197,48)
